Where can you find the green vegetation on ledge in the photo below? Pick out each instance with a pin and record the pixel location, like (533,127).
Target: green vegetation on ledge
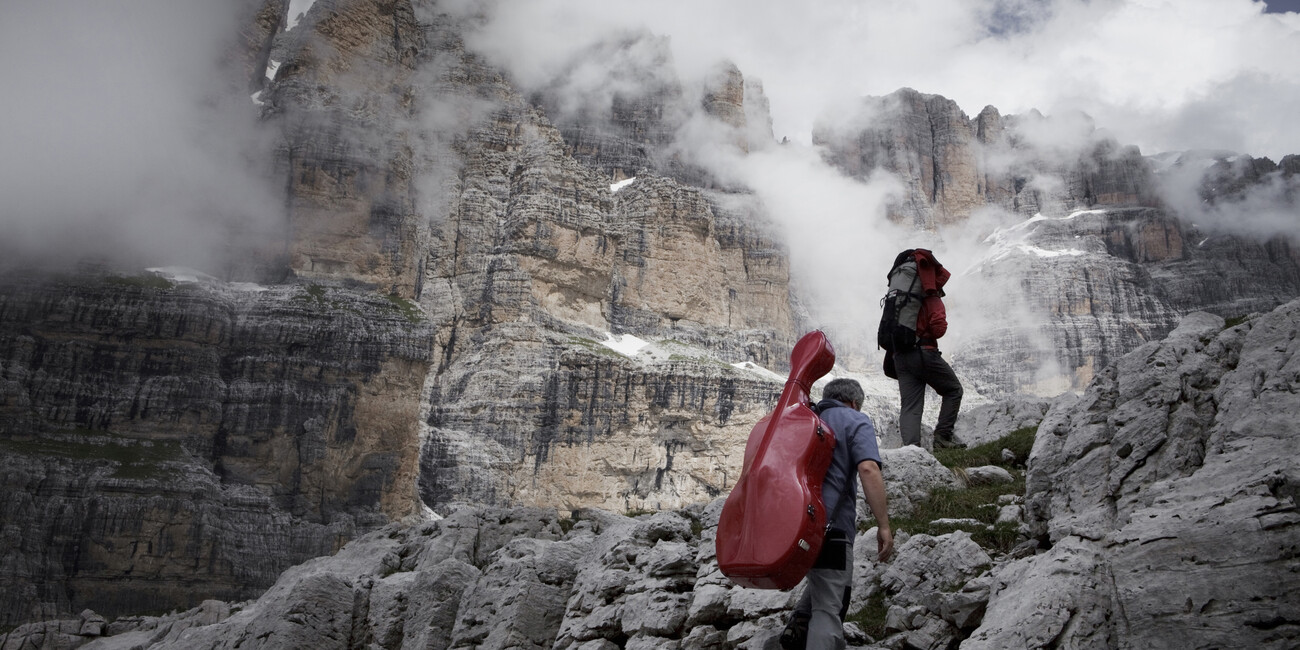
(977,505)
(134,459)
(1020,442)
(407,308)
(141,281)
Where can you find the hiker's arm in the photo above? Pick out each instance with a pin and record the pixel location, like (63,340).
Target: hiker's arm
(873,489)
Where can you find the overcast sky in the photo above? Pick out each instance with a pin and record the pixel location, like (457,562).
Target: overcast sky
(114,135)
(122,138)
(1162,74)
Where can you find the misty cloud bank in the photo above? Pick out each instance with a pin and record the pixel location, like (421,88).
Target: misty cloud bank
(129,140)
(124,138)
(1160,75)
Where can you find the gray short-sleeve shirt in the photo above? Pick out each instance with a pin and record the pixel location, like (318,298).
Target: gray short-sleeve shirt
(855,441)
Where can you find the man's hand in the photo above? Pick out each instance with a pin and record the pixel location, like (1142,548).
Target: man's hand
(873,488)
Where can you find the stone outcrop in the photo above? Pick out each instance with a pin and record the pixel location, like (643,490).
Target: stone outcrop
(162,440)
(524,578)
(1167,494)
(988,422)
(950,165)
(1104,282)
(912,473)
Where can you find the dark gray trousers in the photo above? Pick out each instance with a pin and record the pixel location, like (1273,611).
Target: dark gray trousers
(917,369)
(823,602)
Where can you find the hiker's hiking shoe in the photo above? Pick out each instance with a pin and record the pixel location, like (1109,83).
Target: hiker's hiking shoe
(948,443)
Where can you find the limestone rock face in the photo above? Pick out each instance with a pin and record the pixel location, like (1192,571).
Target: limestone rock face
(622,121)
(456,263)
(910,474)
(536,263)
(1083,289)
(1105,256)
(924,139)
(452,268)
(580,426)
(988,422)
(1168,489)
(159,436)
(264,19)
(950,164)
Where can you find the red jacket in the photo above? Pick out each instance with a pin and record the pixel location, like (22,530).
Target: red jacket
(932,322)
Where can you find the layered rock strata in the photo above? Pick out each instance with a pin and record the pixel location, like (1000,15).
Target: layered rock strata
(951,165)
(468,269)
(1076,292)
(1167,494)
(163,441)
(536,263)
(414,170)
(1163,503)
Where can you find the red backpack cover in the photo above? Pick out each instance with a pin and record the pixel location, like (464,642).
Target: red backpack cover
(773,522)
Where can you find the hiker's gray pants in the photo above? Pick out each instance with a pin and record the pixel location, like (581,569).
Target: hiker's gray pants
(824,596)
(917,369)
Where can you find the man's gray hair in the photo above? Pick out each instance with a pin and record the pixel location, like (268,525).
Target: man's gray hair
(846,391)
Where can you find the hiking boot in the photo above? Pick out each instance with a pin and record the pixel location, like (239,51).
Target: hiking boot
(950,442)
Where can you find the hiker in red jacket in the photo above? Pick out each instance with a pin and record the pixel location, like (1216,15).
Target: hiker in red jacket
(924,365)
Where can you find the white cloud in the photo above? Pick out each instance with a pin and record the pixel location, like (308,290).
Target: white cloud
(1162,74)
(122,139)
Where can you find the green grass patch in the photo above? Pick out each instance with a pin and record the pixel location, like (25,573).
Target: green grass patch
(1235,321)
(134,459)
(1020,442)
(594,347)
(977,502)
(313,294)
(702,360)
(407,308)
(871,618)
(140,281)
(697,526)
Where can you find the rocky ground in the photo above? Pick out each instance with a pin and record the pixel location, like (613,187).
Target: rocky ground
(1158,510)
(530,578)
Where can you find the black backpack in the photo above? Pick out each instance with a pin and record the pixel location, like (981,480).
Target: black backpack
(900,307)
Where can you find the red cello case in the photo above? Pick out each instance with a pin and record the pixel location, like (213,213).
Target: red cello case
(773,522)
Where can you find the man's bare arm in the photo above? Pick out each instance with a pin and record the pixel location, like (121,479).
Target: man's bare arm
(873,489)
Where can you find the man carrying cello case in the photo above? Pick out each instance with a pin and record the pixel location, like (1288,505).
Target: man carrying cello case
(774,526)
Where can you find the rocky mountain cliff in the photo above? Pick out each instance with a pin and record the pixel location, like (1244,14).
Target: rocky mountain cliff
(165,439)
(1088,249)
(1160,511)
(454,276)
(504,298)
